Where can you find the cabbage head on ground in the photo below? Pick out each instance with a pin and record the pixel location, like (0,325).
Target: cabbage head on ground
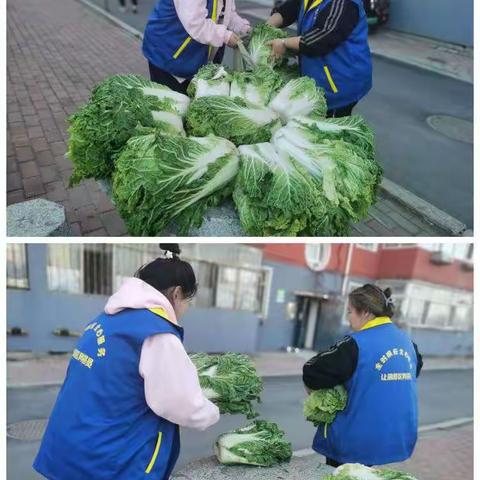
(357,471)
(231,118)
(230,381)
(211,79)
(303,185)
(261,443)
(161,178)
(300,96)
(256,86)
(101,128)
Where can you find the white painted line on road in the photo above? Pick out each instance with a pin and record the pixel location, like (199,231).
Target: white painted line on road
(125,26)
(456,422)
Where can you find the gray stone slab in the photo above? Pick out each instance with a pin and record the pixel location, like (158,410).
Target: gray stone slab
(299,468)
(37,218)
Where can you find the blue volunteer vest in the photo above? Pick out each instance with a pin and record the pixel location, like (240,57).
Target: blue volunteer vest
(345,73)
(168,46)
(379,424)
(101,427)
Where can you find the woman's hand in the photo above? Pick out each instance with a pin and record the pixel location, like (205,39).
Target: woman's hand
(278,47)
(233,40)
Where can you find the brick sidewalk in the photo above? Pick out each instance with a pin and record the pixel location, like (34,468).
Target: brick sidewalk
(443,455)
(57,51)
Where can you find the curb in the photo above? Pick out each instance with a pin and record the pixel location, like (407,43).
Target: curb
(424,209)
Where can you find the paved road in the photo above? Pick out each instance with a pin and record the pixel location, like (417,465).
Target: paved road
(443,395)
(432,166)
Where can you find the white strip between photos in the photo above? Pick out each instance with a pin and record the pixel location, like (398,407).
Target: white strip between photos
(396,242)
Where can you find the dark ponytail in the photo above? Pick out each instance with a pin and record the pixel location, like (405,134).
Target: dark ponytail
(169,272)
(372,299)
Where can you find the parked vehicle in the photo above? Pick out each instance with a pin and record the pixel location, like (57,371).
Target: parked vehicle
(377,11)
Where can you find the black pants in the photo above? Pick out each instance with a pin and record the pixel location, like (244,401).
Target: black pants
(333,463)
(158,75)
(342,111)
(122,2)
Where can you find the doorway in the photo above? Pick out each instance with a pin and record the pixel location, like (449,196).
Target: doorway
(307,319)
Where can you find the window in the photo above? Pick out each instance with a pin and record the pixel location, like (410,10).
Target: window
(317,255)
(17,267)
(80,268)
(206,274)
(97,269)
(100,270)
(458,251)
(352,285)
(64,264)
(398,246)
(372,247)
(438,307)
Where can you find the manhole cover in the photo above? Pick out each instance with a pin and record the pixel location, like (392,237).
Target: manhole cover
(452,127)
(28,429)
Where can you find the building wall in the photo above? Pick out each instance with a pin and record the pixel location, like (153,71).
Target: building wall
(440,19)
(442,343)
(285,253)
(40,311)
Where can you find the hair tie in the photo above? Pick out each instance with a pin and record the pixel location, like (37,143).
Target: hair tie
(388,300)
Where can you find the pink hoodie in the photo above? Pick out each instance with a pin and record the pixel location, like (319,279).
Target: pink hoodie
(194,17)
(172,388)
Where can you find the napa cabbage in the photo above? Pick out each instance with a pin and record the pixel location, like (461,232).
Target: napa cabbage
(357,471)
(100,129)
(300,96)
(230,381)
(256,86)
(260,52)
(295,186)
(211,79)
(353,130)
(231,118)
(160,179)
(321,406)
(261,443)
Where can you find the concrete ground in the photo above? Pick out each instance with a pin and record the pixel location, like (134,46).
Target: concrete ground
(54,60)
(282,402)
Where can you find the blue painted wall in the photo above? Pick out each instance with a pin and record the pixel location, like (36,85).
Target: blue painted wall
(443,343)
(446,20)
(40,311)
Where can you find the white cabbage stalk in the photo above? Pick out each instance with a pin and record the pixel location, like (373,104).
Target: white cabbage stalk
(181,101)
(299,96)
(251,94)
(171,118)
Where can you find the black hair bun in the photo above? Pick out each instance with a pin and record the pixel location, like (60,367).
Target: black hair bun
(171,247)
(387,292)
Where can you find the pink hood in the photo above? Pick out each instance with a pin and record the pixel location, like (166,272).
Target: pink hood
(135,293)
